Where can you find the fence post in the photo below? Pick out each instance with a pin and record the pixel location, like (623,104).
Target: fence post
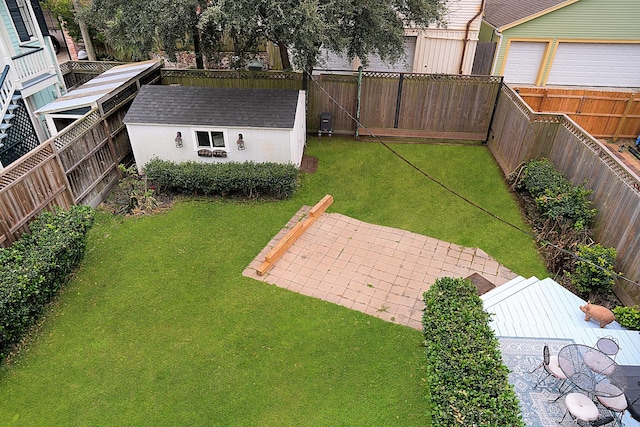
(358,101)
(624,116)
(398,101)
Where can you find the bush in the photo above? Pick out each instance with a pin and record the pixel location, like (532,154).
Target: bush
(132,195)
(540,175)
(594,270)
(555,196)
(467,379)
(36,266)
(248,179)
(629,317)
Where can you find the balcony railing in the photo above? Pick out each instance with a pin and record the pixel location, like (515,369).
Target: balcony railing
(31,65)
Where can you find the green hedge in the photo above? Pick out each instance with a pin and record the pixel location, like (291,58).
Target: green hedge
(555,196)
(467,379)
(629,317)
(246,179)
(36,266)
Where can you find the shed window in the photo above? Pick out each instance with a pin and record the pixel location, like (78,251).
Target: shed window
(212,140)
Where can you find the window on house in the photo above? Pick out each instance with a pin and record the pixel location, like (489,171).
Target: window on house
(212,140)
(21,18)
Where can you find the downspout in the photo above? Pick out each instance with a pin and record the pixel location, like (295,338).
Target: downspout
(495,54)
(466,35)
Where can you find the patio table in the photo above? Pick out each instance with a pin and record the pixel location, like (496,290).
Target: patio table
(592,371)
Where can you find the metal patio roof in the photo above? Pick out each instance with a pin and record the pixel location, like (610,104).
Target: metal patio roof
(87,94)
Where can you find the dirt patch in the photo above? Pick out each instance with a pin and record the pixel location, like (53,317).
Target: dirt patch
(309,164)
(482,284)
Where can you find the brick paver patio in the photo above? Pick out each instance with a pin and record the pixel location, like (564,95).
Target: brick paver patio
(381,271)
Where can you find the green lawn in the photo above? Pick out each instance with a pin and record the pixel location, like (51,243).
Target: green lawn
(158,326)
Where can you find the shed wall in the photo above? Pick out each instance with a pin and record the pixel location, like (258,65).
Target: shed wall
(261,145)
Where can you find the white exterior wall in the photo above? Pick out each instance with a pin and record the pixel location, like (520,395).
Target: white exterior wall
(437,50)
(299,132)
(261,145)
(440,50)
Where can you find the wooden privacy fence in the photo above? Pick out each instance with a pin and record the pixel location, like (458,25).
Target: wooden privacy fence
(390,104)
(34,183)
(519,134)
(604,114)
(232,79)
(428,105)
(79,166)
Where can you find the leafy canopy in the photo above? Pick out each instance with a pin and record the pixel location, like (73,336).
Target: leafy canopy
(356,28)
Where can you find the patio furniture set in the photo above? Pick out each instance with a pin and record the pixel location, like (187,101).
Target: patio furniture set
(591,376)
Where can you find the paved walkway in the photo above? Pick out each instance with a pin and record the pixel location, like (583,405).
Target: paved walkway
(381,271)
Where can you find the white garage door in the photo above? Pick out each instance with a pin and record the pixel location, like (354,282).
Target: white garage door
(523,62)
(596,64)
(404,65)
(332,61)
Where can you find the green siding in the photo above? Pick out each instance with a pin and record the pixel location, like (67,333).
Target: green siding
(589,20)
(43,97)
(586,19)
(8,25)
(486,32)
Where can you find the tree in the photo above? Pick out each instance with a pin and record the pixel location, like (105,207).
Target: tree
(136,28)
(357,28)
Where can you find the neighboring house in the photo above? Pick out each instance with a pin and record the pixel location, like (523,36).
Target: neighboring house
(437,50)
(565,42)
(183,123)
(79,101)
(30,77)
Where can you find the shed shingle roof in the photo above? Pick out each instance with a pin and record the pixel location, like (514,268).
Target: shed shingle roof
(500,13)
(199,106)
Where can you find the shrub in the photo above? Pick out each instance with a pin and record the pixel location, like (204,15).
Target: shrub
(556,198)
(594,270)
(467,379)
(629,317)
(132,195)
(36,266)
(540,175)
(246,179)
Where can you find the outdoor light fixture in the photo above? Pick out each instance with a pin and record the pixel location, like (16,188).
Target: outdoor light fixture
(240,142)
(178,140)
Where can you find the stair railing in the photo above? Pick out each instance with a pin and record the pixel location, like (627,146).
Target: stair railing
(7,89)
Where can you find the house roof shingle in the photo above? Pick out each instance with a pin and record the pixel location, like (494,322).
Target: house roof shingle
(200,106)
(500,13)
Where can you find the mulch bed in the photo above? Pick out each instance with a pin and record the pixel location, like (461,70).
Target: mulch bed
(481,283)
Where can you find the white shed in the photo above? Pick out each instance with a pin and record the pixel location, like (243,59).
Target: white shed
(183,123)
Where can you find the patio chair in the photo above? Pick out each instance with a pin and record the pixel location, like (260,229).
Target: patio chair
(551,368)
(581,408)
(609,346)
(616,405)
